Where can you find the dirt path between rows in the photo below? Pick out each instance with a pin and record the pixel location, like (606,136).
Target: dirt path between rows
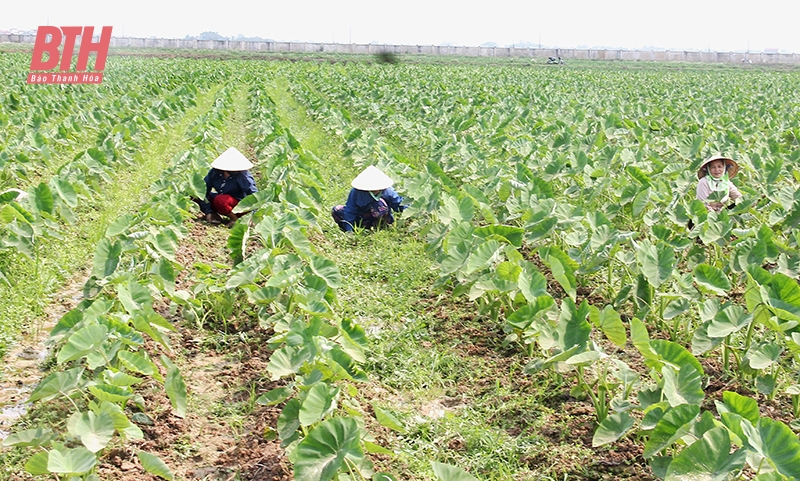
(23,366)
(225,435)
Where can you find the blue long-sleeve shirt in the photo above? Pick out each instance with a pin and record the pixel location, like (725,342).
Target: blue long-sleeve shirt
(238,185)
(360,201)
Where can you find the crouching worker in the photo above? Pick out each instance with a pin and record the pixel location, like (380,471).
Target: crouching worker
(715,188)
(370,203)
(228,182)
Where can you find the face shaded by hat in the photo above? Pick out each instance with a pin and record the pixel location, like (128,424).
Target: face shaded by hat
(731,167)
(372,179)
(232,161)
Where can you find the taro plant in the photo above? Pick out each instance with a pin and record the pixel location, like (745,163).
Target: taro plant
(607,383)
(318,354)
(102,348)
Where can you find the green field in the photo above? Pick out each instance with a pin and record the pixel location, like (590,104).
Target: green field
(541,311)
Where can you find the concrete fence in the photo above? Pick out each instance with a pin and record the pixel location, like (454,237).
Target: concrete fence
(526,52)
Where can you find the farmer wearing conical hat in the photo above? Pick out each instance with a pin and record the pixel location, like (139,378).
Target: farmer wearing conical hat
(228,182)
(715,188)
(370,203)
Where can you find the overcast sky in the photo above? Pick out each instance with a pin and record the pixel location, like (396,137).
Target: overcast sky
(733,25)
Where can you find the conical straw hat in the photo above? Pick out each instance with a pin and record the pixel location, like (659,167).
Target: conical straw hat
(232,160)
(371,178)
(731,166)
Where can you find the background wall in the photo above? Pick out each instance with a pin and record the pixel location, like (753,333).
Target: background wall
(565,53)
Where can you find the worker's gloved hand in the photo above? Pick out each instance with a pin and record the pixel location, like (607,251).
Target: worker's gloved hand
(403,207)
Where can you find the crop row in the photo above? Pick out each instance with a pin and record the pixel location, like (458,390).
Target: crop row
(529,183)
(115,344)
(117,341)
(64,145)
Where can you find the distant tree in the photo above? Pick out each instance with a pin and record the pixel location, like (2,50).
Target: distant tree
(211,36)
(242,38)
(489,44)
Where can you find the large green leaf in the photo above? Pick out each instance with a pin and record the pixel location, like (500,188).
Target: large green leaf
(175,387)
(71,461)
(30,437)
(609,321)
(483,256)
(237,241)
(776,442)
(322,453)
(505,233)
(67,322)
(612,428)
(65,191)
(275,396)
(456,257)
(197,185)
(762,356)
(641,339)
(134,296)
(94,430)
(318,403)
(731,319)
(354,340)
(676,307)
(165,243)
(714,230)
(531,282)
(712,279)
(784,297)
(675,354)
(289,421)
(143,321)
(536,230)
(106,258)
(299,241)
(121,422)
(37,464)
(742,405)
(565,276)
(523,317)
(562,268)
(674,424)
(154,465)
(455,210)
(708,459)
(657,263)
(344,366)
(109,393)
(136,362)
(287,361)
(573,329)
(82,342)
(42,198)
(446,472)
(683,387)
(326,269)
(60,383)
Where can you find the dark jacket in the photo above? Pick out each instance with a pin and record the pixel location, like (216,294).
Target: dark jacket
(360,201)
(239,185)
